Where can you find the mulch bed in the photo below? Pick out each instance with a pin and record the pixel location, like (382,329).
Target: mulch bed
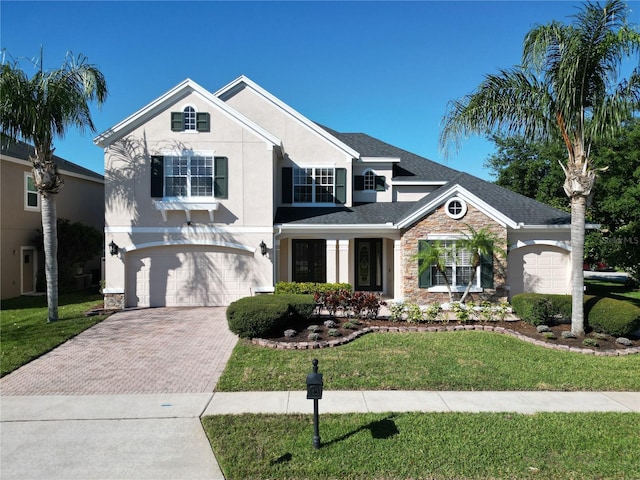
(348,330)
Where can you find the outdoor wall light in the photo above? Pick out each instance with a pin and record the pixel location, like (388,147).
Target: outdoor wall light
(113,248)
(263,248)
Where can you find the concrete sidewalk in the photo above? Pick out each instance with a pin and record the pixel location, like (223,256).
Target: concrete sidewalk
(158,436)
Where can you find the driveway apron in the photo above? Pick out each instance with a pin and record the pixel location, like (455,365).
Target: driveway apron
(122,400)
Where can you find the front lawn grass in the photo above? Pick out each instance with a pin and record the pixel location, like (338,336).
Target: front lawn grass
(463,360)
(25,333)
(427,446)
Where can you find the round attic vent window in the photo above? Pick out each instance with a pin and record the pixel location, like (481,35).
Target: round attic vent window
(456,208)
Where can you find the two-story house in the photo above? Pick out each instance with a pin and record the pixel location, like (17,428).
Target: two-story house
(213,196)
(80,200)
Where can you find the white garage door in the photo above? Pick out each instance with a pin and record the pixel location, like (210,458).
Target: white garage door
(188,276)
(546,271)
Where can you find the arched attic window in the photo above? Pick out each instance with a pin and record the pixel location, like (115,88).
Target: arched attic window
(189,115)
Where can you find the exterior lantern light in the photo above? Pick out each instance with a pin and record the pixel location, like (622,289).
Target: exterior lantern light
(113,248)
(263,248)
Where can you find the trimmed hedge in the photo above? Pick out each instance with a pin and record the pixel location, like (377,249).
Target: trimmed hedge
(542,309)
(263,315)
(614,317)
(602,314)
(309,287)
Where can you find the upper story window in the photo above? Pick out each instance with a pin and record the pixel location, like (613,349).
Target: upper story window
(456,208)
(190,121)
(189,115)
(320,185)
(187,176)
(31,196)
(369,180)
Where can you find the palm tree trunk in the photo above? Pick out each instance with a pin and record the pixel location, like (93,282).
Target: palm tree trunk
(578,207)
(50,235)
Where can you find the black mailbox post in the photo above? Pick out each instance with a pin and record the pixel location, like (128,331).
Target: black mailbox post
(314,392)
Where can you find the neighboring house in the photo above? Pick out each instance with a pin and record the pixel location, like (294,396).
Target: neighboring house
(81,199)
(215,196)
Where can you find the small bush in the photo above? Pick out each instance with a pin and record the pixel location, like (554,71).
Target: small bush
(539,309)
(590,342)
(306,288)
(614,317)
(260,316)
(314,337)
(333,332)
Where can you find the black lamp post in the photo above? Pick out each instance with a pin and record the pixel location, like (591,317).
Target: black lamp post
(314,392)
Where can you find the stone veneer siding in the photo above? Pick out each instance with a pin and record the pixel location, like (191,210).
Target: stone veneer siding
(114,301)
(438,222)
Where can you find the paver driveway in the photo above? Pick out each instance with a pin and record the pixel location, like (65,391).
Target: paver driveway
(158,350)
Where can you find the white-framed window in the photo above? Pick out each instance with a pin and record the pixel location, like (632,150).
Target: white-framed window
(189,175)
(189,116)
(313,185)
(369,180)
(31,195)
(456,208)
(190,120)
(458,269)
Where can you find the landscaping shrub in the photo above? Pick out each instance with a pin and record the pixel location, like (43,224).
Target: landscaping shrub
(283,288)
(262,315)
(541,309)
(614,317)
(605,315)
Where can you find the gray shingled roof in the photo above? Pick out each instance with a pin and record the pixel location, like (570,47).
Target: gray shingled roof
(517,207)
(23,150)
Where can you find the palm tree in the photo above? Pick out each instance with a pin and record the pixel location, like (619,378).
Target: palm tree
(36,110)
(568,87)
(434,254)
(481,244)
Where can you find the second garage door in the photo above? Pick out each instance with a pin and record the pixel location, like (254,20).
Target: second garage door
(539,269)
(188,276)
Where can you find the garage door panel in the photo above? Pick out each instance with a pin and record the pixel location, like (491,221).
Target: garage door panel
(188,276)
(539,269)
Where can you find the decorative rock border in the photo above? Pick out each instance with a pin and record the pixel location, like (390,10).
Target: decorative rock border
(452,328)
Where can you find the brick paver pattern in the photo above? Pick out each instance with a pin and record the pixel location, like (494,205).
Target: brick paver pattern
(158,350)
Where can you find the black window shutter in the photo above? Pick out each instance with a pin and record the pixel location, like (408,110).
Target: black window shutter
(177,121)
(341,185)
(157,176)
(358,182)
(287,185)
(203,122)
(221,177)
(380,181)
(424,279)
(486,271)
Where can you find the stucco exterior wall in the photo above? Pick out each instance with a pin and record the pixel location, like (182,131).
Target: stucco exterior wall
(79,200)
(240,222)
(439,223)
(303,147)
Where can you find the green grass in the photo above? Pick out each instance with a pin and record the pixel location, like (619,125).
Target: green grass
(464,360)
(25,333)
(619,291)
(428,446)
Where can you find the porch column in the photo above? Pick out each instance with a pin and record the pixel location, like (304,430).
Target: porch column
(397,269)
(276,260)
(332,271)
(343,261)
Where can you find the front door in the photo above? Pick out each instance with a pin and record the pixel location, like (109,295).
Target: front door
(368,264)
(28,270)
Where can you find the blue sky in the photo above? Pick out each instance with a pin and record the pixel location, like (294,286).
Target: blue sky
(387,69)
